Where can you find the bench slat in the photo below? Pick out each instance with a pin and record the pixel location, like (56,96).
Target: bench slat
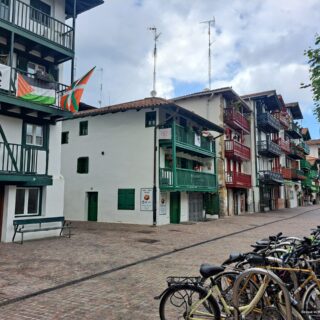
(37,220)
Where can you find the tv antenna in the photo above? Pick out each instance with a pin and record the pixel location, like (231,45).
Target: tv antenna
(210,23)
(156,37)
(101,86)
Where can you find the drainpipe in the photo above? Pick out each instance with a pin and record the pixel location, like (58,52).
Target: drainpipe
(255,153)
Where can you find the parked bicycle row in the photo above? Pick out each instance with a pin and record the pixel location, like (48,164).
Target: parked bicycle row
(278,280)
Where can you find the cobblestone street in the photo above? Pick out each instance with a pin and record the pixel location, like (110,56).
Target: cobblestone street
(113,271)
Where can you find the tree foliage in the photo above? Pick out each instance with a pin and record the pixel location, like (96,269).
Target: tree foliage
(313,55)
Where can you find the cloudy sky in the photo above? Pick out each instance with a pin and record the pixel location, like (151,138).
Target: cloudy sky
(257,45)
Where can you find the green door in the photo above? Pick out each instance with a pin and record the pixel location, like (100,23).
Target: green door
(174,207)
(92,206)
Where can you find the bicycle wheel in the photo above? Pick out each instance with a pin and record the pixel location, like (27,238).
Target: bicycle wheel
(311,303)
(180,302)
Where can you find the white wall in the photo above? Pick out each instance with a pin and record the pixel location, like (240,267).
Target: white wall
(127,163)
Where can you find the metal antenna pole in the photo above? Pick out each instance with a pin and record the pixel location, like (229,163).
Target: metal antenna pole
(101,85)
(156,37)
(210,23)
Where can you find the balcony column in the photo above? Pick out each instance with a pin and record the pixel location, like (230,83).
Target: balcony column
(73,37)
(11,83)
(174,153)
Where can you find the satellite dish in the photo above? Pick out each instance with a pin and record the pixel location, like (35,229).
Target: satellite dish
(153,93)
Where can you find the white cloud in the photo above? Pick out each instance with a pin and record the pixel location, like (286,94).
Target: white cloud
(257,46)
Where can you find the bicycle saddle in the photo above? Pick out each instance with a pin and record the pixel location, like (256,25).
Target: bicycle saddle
(209,270)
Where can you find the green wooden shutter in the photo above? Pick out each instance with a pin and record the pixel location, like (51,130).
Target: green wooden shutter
(126,199)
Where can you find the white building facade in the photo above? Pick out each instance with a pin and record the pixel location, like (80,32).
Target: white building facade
(113,172)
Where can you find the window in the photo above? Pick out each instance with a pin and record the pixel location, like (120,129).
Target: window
(83,165)
(65,137)
(34,68)
(27,201)
(34,135)
(83,128)
(40,12)
(126,199)
(151,118)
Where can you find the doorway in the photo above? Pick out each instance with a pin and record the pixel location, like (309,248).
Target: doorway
(174,207)
(196,206)
(92,206)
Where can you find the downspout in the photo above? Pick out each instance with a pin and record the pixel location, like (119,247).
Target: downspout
(255,153)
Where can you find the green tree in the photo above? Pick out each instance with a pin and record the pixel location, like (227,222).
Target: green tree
(313,55)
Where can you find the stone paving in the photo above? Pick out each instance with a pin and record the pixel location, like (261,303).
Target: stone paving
(97,250)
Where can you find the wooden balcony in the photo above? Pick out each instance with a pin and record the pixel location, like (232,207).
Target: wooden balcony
(187,180)
(295,152)
(237,180)
(294,131)
(50,110)
(236,120)
(305,165)
(236,150)
(189,140)
(284,145)
(270,177)
(23,163)
(304,147)
(286,173)
(268,148)
(33,21)
(268,123)
(283,118)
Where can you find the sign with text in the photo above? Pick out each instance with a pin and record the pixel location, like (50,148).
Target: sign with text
(163,203)
(165,134)
(146,199)
(4,77)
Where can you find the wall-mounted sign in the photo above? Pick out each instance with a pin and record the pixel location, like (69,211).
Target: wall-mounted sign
(197,140)
(146,199)
(165,134)
(4,77)
(163,203)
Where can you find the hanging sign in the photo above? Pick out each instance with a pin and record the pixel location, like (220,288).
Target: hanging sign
(146,199)
(4,77)
(165,134)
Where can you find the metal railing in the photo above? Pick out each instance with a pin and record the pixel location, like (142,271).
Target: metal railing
(58,88)
(269,147)
(268,175)
(295,152)
(37,22)
(266,120)
(236,149)
(305,165)
(304,147)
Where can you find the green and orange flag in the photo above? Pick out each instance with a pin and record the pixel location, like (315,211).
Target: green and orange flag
(70,100)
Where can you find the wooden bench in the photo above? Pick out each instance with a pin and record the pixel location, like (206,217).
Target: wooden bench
(42,225)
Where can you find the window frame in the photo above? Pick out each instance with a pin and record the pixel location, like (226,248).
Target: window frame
(83,128)
(45,137)
(126,199)
(150,119)
(26,202)
(64,137)
(86,171)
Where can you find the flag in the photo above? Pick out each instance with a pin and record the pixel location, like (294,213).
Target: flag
(34,90)
(70,100)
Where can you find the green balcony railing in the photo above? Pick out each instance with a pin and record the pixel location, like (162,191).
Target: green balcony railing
(313,174)
(307,183)
(190,138)
(304,147)
(187,180)
(305,165)
(37,22)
